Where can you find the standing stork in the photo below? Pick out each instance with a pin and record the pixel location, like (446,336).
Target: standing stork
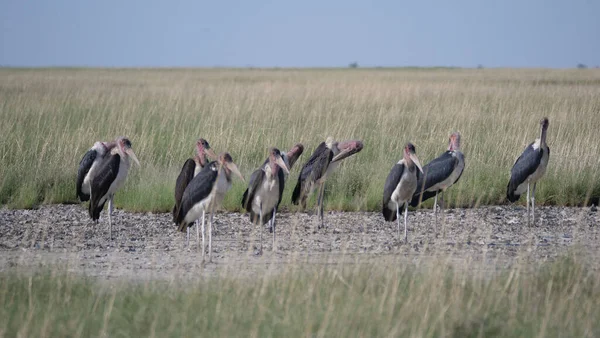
(190,169)
(204,193)
(289,159)
(319,166)
(400,187)
(440,174)
(529,168)
(264,192)
(110,178)
(88,167)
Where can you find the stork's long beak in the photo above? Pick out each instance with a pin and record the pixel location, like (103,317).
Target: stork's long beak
(415,160)
(210,153)
(347,148)
(282,165)
(131,154)
(231,166)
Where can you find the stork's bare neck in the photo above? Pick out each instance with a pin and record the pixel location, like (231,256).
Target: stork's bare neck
(544,126)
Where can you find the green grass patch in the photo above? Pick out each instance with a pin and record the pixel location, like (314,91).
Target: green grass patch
(556,299)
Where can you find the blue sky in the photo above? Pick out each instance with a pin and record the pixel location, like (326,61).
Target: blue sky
(307,33)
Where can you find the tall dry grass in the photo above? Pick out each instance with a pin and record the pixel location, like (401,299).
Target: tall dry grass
(50,117)
(442,299)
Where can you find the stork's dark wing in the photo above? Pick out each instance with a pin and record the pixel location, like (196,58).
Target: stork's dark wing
(524,167)
(317,164)
(281,177)
(198,189)
(84,167)
(256,180)
(391,183)
(100,184)
(313,169)
(436,171)
(185,177)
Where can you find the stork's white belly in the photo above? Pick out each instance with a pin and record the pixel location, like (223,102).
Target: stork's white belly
(267,195)
(220,189)
(405,189)
(196,211)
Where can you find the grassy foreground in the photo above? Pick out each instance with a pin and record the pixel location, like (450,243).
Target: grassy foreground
(559,299)
(50,117)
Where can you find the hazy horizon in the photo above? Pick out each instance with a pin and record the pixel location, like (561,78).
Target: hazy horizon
(311,34)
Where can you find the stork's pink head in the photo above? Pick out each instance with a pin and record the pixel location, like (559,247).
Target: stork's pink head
(347,148)
(294,154)
(410,156)
(203,148)
(454,142)
(226,162)
(125,150)
(276,161)
(544,123)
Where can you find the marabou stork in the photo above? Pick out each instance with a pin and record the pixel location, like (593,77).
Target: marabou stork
(440,174)
(110,177)
(264,192)
(320,165)
(88,167)
(206,192)
(400,187)
(289,159)
(528,169)
(191,168)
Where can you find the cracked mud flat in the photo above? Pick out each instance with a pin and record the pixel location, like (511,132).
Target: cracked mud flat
(147,246)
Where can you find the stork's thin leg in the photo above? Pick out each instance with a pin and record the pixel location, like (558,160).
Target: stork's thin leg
(533,203)
(187,241)
(212,211)
(320,206)
(273,227)
(398,219)
(528,203)
(197,224)
(405,222)
(110,209)
(319,201)
(260,222)
(435,208)
(443,203)
(203,245)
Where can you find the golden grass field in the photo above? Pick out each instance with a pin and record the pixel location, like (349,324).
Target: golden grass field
(50,117)
(390,298)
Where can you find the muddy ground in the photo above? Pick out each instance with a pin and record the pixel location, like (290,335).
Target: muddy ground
(147,246)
